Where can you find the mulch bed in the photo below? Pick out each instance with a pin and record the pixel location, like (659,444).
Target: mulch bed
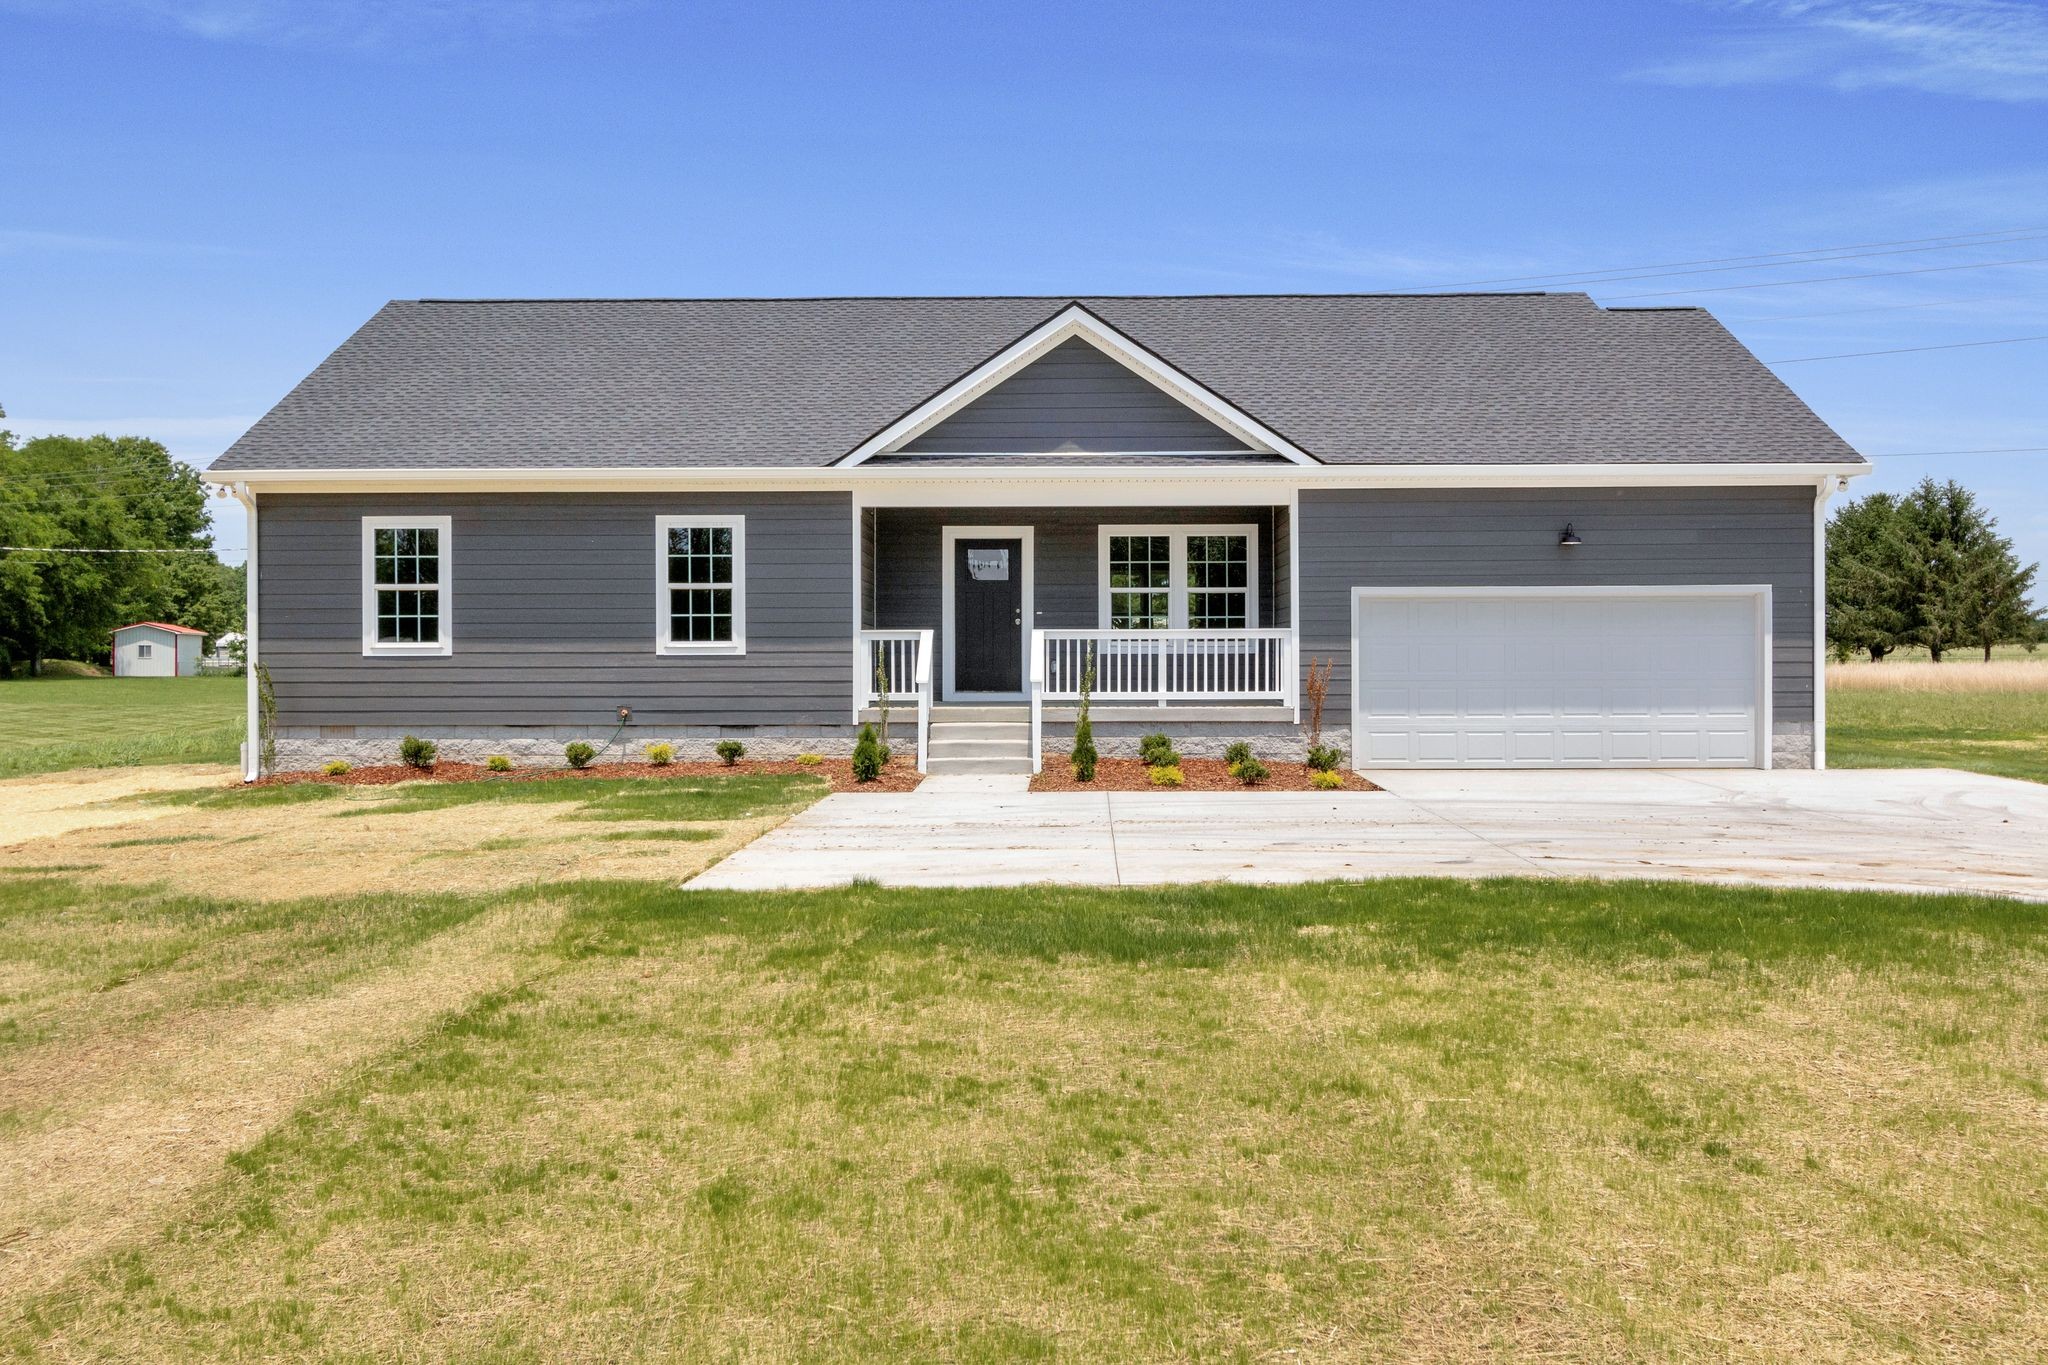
(1198,774)
(897,777)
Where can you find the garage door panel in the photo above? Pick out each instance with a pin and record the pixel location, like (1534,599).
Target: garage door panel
(1577,679)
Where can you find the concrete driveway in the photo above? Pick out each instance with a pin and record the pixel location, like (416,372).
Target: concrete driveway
(1914,830)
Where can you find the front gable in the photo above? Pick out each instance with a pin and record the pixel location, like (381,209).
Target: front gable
(1075,385)
(1075,399)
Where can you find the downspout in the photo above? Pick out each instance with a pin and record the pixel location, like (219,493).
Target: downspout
(252,747)
(1820,622)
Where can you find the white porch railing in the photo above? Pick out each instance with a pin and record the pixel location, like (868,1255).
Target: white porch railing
(904,659)
(1161,667)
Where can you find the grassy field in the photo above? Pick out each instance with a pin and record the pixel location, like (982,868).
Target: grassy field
(1962,713)
(50,724)
(613,1120)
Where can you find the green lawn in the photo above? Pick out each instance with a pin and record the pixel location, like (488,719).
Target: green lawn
(1406,1119)
(49,724)
(2002,733)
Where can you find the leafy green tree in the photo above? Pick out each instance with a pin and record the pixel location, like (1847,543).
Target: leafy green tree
(87,511)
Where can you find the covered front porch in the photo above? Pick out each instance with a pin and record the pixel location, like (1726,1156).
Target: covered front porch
(1179,617)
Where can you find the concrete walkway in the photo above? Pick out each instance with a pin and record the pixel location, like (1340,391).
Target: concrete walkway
(1919,830)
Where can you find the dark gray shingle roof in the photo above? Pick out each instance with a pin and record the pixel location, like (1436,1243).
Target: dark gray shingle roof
(1352,379)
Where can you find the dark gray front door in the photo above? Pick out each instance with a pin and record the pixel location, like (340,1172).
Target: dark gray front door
(988,615)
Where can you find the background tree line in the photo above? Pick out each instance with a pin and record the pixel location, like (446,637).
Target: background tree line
(1927,568)
(112,493)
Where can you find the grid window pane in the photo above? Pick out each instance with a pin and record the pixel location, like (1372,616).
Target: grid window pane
(1137,563)
(700,571)
(406,564)
(1219,577)
(408,616)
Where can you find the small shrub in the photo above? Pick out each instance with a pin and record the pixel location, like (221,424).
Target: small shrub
(1324,779)
(578,753)
(867,756)
(1153,749)
(1168,757)
(1084,757)
(661,754)
(415,752)
(1167,775)
(335,767)
(1251,772)
(810,760)
(730,751)
(1240,752)
(1323,758)
(498,763)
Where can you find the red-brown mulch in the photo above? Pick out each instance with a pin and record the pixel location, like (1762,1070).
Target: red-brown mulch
(1198,775)
(897,777)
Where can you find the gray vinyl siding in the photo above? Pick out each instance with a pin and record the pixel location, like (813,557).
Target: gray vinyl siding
(1482,538)
(1074,398)
(552,604)
(1283,560)
(909,589)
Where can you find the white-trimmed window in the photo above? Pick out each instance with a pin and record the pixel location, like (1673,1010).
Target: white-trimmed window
(1179,577)
(144,651)
(700,585)
(406,585)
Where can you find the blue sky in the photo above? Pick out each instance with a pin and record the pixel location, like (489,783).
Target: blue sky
(206,196)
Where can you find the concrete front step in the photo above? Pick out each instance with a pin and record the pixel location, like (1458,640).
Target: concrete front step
(1014,715)
(950,746)
(951,767)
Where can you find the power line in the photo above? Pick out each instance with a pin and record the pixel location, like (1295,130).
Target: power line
(1903,350)
(1826,279)
(1724,260)
(1610,277)
(1885,308)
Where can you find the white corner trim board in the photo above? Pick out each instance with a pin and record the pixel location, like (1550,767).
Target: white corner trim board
(947,538)
(1071,322)
(1642,676)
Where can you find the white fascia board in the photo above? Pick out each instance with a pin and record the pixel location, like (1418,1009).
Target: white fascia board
(1020,484)
(1070,322)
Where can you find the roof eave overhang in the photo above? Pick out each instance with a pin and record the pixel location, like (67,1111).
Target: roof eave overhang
(1041,480)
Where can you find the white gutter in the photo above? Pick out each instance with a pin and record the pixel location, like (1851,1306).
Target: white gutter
(252,745)
(1820,619)
(869,477)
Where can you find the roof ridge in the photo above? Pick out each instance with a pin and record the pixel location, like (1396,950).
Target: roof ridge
(992,298)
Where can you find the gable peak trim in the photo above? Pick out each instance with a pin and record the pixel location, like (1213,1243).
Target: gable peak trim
(1071,322)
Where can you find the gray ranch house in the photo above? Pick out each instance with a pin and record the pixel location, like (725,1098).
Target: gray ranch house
(1522,530)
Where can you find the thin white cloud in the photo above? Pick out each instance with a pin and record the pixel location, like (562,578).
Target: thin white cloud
(19,241)
(1979,49)
(350,25)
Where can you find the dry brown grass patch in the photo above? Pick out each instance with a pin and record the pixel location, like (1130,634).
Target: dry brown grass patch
(1953,675)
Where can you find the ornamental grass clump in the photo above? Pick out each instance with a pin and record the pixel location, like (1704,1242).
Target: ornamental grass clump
(578,753)
(415,752)
(867,756)
(498,763)
(730,751)
(661,754)
(335,767)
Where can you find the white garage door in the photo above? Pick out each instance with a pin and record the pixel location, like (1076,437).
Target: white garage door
(1607,678)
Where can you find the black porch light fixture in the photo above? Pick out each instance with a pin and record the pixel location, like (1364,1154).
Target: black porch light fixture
(1570,537)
